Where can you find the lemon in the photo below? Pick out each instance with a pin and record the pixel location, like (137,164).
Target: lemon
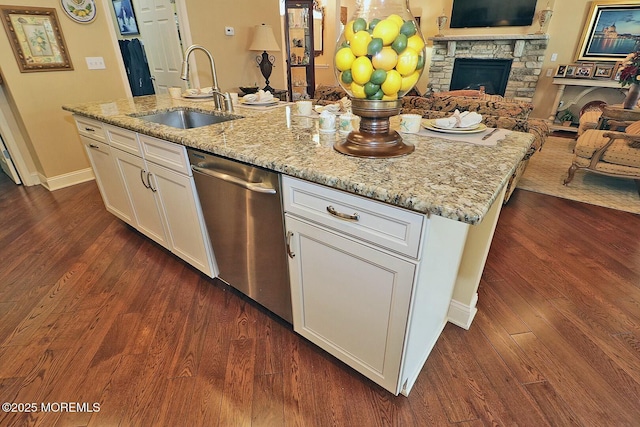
(409,81)
(348,31)
(359,25)
(397,19)
(400,43)
(407,62)
(360,43)
(387,30)
(386,59)
(375,46)
(415,42)
(344,59)
(392,83)
(358,90)
(361,70)
(390,97)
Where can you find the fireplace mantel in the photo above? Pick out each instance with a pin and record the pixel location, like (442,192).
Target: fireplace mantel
(492,37)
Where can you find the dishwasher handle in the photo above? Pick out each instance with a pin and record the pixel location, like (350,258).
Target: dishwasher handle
(258,187)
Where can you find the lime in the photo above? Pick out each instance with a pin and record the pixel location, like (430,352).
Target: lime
(407,62)
(375,46)
(378,77)
(386,59)
(361,70)
(392,83)
(415,42)
(359,25)
(387,30)
(378,95)
(400,43)
(373,23)
(420,62)
(371,89)
(360,42)
(344,58)
(346,77)
(408,28)
(358,90)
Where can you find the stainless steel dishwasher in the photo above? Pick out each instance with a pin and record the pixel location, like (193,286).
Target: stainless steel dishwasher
(242,208)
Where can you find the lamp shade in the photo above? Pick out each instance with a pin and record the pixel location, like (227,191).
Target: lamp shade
(263,39)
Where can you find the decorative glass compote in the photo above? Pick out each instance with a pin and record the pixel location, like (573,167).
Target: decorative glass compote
(379,58)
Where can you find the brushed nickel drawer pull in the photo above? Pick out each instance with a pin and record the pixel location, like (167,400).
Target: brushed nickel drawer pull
(346,217)
(89,129)
(93,146)
(289,251)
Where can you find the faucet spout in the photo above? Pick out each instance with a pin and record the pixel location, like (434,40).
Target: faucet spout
(217,94)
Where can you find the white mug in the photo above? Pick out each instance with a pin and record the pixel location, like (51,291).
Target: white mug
(304,107)
(410,123)
(345,122)
(327,122)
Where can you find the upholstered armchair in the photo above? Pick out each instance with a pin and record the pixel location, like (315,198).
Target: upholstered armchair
(608,153)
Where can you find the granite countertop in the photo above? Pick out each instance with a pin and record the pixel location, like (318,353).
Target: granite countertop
(455,180)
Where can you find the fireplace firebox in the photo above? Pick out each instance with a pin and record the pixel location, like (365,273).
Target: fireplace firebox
(474,73)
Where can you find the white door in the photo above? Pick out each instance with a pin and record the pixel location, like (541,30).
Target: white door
(159,33)
(6,164)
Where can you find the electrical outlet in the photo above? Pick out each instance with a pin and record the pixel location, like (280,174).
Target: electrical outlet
(95,62)
(554,57)
(229,31)
(549,72)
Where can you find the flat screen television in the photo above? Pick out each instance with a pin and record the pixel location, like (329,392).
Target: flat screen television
(492,13)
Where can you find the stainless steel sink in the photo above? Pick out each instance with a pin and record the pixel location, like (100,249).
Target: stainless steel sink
(186,119)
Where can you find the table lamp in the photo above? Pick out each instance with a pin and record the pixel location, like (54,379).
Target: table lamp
(264,40)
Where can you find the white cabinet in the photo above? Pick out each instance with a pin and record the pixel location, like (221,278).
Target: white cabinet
(107,177)
(147,182)
(370,283)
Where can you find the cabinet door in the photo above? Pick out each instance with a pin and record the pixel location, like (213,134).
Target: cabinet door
(350,299)
(186,232)
(146,208)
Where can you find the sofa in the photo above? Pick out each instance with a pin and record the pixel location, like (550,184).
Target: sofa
(495,110)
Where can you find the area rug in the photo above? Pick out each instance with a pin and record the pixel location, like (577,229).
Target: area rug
(547,170)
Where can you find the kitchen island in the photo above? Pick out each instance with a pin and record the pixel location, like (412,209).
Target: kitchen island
(446,198)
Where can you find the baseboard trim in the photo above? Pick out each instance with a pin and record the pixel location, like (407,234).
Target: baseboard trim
(67,179)
(461,314)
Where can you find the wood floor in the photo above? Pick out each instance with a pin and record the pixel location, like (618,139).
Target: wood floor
(91,313)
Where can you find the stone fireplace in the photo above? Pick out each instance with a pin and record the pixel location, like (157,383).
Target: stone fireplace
(525,51)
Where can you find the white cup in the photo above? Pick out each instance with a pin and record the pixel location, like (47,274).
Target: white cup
(327,122)
(345,122)
(304,107)
(410,123)
(234,97)
(175,92)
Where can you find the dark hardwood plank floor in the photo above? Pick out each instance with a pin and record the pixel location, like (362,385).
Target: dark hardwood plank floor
(93,312)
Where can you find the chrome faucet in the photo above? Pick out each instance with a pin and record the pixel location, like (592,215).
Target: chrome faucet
(219,98)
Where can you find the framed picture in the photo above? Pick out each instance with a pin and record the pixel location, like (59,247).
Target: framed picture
(611,31)
(584,71)
(36,38)
(126,17)
(561,71)
(570,70)
(603,71)
(617,69)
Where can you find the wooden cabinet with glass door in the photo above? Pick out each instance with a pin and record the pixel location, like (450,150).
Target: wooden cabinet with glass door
(300,49)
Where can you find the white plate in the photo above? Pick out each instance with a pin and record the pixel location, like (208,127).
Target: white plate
(430,125)
(197,95)
(435,125)
(270,102)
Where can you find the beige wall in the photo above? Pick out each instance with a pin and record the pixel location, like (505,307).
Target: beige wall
(52,139)
(37,97)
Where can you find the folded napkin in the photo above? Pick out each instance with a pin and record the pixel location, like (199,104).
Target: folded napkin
(260,96)
(459,120)
(200,91)
(344,105)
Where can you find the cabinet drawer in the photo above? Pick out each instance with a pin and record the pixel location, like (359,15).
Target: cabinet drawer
(164,153)
(123,139)
(89,127)
(387,226)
